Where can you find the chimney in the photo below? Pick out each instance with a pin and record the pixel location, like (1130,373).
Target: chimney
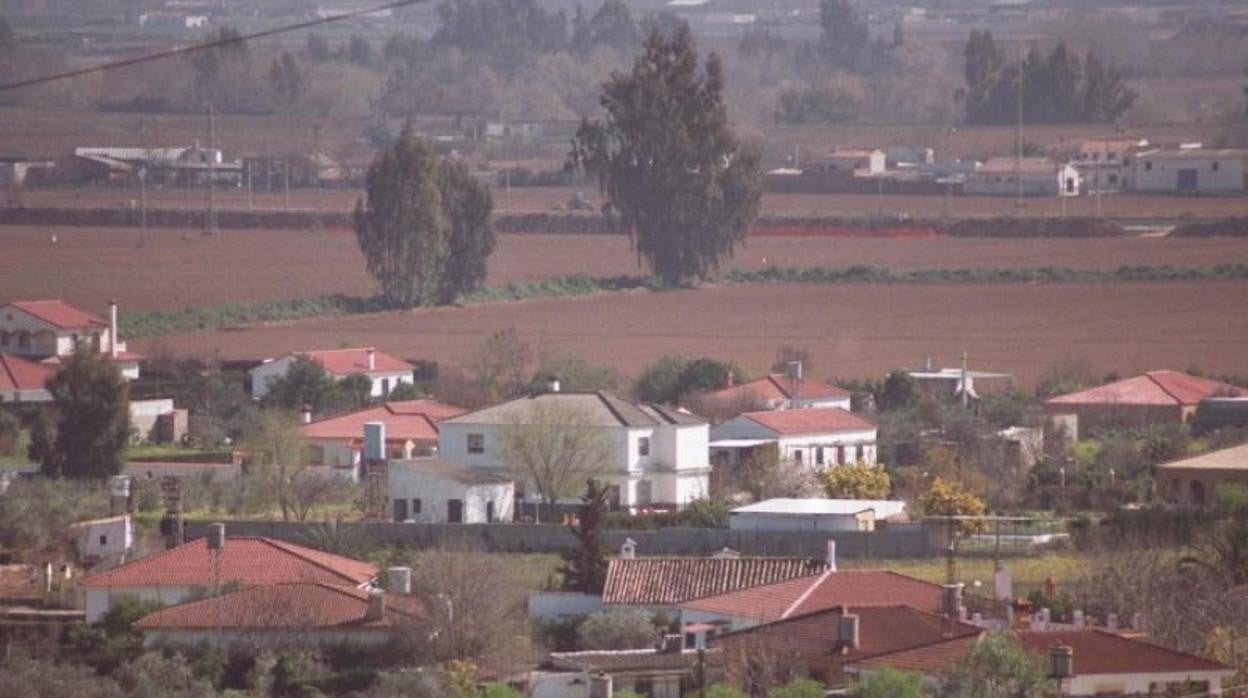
(112,328)
(951,600)
(376,606)
(553,384)
(372,358)
(399,580)
(628,550)
(1061,662)
(374,441)
(830,556)
(305,413)
(847,631)
(216,536)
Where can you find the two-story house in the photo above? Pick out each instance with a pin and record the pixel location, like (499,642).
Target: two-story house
(49,330)
(384,371)
(819,437)
(659,455)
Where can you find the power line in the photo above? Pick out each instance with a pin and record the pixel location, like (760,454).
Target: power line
(226,41)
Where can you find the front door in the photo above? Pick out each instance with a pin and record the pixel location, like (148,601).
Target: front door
(400,510)
(1189,180)
(454,511)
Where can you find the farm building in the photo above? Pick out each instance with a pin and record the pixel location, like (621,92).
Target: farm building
(815,514)
(1104,164)
(1040,177)
(99,540)
(430,490)
(820,437)
(411,430)
(1156,397)
(157,421)
(1192,481)
(383,370)
(1190,171)
(860,161)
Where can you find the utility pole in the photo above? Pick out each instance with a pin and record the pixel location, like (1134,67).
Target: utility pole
(286,184)
(966,393)
(316,167)
(147,161)
(211,226)
(1018,139)
(251,205)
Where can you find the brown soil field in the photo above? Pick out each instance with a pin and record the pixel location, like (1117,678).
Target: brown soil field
(174,268)
(852,331)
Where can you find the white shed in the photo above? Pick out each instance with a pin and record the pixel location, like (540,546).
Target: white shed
(103,539)
(815,514)
(1190,171)
(431,490)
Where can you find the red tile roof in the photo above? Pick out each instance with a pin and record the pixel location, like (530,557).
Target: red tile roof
(343,362)
(810,420)
(414,420)
(300,605)
(1095,652)
(886,628)
(665,581)
(60,314)
(17,373)
(245,560)
(810,594)
(1152,388)
(773,387)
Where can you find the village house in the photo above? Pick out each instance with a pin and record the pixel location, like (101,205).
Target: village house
(1156,397)
(774,391)
(1193,481)
(1189,171)
(1084,662)
(384,371)
(431,490)
(659,454)
(668,671)
(166,166)
(22,380)
(1040,177)
(180,573)
(818,437)
(815,514)
(411,428)
(50,330)
(852,161)
(1105,164)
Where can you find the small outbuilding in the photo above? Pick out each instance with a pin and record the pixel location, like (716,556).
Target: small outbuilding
(431,490)
(815,514)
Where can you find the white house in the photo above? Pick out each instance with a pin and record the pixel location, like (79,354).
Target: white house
(854,161)
(815,514)
(49,330)
(1190,171)
(385,371)
(109,539)
(776,391)
(1105,164)
(660,454)
(22,380)
(1040,177)
(820,437)
(430,490)
(411,429)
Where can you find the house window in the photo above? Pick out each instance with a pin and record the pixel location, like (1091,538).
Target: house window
(797,455)
(1214,166)
(476,443)
(103,540)
(385,386)
(1148,165)
(455,511)
(819,455)
(415,506)
(643,446)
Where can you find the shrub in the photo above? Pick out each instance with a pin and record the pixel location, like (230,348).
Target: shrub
(618,630)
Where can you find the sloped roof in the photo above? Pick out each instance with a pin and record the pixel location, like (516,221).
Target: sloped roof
(1153,388)
(1234,458)
(17,373)
(830,589)
(60,314)
(347,361)
(452,471)
(248,561)
(775,386)
(415,420)
(882,628)
(668,581)
(810,420)
(598,408)
(1095,652)
(1007,165)
(297,605)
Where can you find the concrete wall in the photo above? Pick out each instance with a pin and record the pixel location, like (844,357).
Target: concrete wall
(104,538)
(1163,175)
(561,604)
(897,540)
(97,601)
(434,491)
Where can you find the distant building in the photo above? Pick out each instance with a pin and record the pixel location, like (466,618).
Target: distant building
(1189,171)
(1192,481)
(385,371)
(665,672)
(852,161)
(774,391)
(952,383)
(23,380)
(815,515)
(101,540)
(1156,397)
(664,583)
(158,421)
(411,431)
(430,490)
(818,437)
(49,330)
(1105,164)
(1040,177)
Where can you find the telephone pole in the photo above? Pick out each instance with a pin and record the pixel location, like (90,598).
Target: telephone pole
(1018,139)
(211,223)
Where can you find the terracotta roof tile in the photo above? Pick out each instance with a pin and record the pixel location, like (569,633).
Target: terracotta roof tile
(245,560)
(17,373)
(1152,388)
(773,387)
(343,362)
(299,605)
(414,420)
(811,420)
(60,314)
(820,592)
(664,581)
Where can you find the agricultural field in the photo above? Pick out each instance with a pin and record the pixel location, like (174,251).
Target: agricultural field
(851,330)
(166,269)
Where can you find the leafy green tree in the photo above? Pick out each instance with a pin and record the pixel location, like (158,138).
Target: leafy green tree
(724,690)
(584,567)
(34,512)
(505,34)
(998,667)
(613,25)
(672,378)
(844,34)
(305,384)
(10,430)
(318,48)
(92,406)
(276,447)
(798,688)
(359,51)
(355,391)
(574,374)
(891,683)
(857,481)
(424,228)
(900,391)
(624,629)
(668,163)
(944,498)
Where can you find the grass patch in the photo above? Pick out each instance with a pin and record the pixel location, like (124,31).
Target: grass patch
(1028,572)
(863,274)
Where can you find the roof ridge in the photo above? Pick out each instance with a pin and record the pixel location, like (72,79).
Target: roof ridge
(1152,376)
(281,545)
(801,598)
(159,554)
(601,395)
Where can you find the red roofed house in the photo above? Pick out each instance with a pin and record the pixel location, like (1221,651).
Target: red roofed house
(175,575)
(385,371)
(1156,397)
(819,437)
(773,391)
(48,330)
(756,605)
(22,380)
(1100,663)
(817,644)
(411,430)
(305,614)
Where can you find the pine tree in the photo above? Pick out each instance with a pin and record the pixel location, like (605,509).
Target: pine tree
(585,567)
(92,405)
(845,34)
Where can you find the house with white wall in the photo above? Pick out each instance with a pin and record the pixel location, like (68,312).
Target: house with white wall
(1190,171)
(50,330)
(659,455)
(818,437)
(815,514)
(1105,164)
(100,540)
(431,490)
(23,380)
(411,430)
(384,371)
(1040,177)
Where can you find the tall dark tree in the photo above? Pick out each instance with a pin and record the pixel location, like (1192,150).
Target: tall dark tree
(305,384)
(613,25)
(1105,96)
(507,34)
(584,568)
(424,228)
(845,33)
(286,78)
(669,165)
(984,62)
(92,406)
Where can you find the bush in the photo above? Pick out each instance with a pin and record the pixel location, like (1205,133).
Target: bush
(858,481)
(618,630)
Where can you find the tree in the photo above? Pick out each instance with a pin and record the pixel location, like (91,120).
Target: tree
(724,690)
(998,667)
(857,481)
(945,498)
(92,406)
(844,34)
(505,34)
(555,449)
(900,391)
(355,392)
(891,683)
(42,446)
(626,629)
(798,688)
(670,379)
(787,354)
(424,226)
(34,512)
(612,25)
(667,162)
(765,475)
(500,363)
(574,374)
(359,51)
(585,566)
(10,430)
(318,48)
(286,78)
(276,446)
(305,384)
